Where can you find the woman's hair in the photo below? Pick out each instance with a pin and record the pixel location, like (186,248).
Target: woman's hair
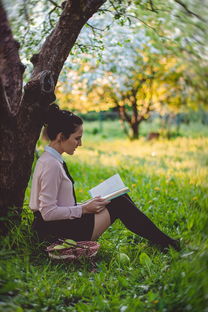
(58,120)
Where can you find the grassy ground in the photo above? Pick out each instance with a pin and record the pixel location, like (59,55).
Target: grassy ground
(168,181)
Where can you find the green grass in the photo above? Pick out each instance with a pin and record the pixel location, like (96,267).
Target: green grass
(110,130)
(168,181)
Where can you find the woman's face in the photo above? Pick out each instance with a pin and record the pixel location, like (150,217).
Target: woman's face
(69,146)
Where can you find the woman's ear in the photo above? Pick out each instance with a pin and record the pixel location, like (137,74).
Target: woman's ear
(59,137)
(62,137)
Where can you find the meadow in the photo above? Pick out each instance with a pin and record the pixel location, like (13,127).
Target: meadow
(168,182)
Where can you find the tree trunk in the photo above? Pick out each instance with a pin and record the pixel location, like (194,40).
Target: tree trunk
(135,131)
(22,116)
(124,117)
(135,118)
(19,135)
(125,128)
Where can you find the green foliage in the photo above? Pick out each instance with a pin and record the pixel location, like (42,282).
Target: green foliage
(168,181)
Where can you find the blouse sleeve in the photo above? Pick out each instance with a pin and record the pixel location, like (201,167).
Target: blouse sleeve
(50,181)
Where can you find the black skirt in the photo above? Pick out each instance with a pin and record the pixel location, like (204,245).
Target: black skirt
(78,229)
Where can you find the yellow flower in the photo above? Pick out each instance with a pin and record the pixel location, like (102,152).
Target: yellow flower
(156,188)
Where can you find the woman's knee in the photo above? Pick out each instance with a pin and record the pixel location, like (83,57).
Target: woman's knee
(102,222)
(118,203)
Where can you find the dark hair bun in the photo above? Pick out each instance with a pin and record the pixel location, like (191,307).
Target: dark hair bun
(58,120)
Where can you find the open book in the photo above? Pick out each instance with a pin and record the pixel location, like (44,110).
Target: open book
(110,188)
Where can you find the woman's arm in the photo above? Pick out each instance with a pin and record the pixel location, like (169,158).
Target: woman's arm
(50,180)
(49,186)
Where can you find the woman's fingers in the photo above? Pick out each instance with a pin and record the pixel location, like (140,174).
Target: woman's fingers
(100,208)
(95,205)
(102,201)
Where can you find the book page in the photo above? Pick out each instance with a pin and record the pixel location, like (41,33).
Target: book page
(109,186)
(116,194)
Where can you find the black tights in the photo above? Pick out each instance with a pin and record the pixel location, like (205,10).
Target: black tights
(124,209)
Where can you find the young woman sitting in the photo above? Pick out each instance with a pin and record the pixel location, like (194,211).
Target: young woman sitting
(53,200)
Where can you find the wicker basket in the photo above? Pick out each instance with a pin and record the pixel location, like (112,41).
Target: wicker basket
(86,249)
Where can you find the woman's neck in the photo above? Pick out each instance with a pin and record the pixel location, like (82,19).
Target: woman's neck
(56,146)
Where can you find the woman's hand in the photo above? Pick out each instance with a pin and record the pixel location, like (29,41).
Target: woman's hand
(95,205)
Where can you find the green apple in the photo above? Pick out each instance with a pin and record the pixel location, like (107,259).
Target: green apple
(123,258)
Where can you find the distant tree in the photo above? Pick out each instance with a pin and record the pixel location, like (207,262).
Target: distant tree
(137,76)
(145,66)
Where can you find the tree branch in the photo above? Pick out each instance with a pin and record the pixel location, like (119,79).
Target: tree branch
(152,6)
(11,68)
(189,11)
(134,118)
(58,44)
(123,113)
(55,4)
(99,29)
(146,110)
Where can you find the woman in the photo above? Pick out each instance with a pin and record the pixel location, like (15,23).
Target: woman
(53,198)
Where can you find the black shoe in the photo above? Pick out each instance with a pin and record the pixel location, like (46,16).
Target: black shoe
(164,245)
(175,243)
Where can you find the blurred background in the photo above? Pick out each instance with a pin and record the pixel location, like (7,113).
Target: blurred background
(137,66)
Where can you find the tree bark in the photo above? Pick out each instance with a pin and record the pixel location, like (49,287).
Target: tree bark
(135,117)
(124,117)
(22,115)
(133,120)
(135,131)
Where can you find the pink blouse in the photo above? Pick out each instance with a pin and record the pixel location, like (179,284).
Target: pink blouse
(52,191)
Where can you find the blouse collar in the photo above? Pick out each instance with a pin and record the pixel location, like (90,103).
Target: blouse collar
(54,153)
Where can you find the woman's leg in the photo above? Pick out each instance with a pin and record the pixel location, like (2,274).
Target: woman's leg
(102,222)
(125,209)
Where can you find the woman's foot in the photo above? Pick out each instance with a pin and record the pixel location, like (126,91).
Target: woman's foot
(174,243)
